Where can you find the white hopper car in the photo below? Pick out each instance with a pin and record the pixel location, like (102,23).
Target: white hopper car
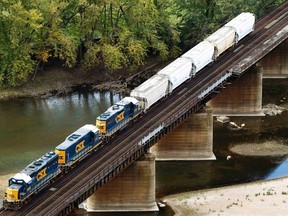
(222,39)
(200,56)
(243,24)
(177,72)
(151,91)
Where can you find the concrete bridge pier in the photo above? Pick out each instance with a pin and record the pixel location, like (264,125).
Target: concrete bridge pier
(132,190)
(192,140)
(243,98)
(275,64)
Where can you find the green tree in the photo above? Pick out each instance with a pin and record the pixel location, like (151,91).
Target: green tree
(31,33)
(133,28)
(196,20)
(57,38)
(200,18)
(18,29)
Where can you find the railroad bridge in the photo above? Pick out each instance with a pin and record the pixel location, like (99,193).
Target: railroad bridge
(97,169)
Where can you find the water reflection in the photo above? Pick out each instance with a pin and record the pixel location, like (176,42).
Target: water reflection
(31,127)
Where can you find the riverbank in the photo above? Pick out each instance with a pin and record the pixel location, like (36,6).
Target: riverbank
(57,80)
(257,198)
(60,80)
(268,148)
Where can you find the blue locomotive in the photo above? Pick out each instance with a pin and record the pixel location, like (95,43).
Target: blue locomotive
(118,116)
(33,178)
(77,145)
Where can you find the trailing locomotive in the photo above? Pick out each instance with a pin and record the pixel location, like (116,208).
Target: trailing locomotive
(77,145)
(40,173)
(118,116)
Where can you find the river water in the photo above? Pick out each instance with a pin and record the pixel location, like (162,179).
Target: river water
(31,127)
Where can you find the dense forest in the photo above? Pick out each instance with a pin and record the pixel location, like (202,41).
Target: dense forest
(110,34)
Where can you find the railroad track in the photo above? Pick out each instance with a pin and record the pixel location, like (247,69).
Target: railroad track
(67,187)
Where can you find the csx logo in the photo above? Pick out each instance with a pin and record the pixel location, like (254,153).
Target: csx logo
(41,174)
(120,117)
(80,146)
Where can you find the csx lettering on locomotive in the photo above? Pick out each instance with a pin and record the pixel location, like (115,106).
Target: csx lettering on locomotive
(120,117)
(41,174)
(80,146)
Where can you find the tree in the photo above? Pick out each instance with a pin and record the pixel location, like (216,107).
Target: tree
(196,20)
(18,29)
(112,34)
(132,28)
(34,31)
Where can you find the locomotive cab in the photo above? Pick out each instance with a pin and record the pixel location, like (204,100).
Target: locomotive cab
(13,192)
(16,191)
(17,185)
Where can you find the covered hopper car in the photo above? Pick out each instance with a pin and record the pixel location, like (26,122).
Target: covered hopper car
(243,24)
(200,56)
(222,39)
(151,91)
(177,72)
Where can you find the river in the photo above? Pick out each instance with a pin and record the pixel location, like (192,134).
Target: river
(31,127)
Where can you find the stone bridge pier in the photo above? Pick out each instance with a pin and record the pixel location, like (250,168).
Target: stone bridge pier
(275,64)
(243,97)
(192,140)
(131,191)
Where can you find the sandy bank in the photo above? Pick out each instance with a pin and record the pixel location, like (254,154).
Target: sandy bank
(257,198)
(267,148)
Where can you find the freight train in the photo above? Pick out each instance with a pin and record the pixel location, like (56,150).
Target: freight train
(40,173)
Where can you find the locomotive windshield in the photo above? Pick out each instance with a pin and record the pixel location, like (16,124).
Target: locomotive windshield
(15,181)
